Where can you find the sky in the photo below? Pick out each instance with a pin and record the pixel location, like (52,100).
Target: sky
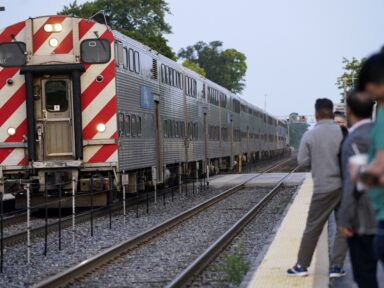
(294,48)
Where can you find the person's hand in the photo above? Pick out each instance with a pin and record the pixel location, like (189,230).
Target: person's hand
(346,232)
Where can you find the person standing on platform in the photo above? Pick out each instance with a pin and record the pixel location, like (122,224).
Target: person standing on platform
(320,147)
(371,80)
(340,119)
(357,218)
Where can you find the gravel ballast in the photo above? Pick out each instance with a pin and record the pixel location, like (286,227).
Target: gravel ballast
(156,264)
(17,273)
(252,241)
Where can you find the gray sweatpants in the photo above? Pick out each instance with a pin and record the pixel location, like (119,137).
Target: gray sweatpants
(321,207)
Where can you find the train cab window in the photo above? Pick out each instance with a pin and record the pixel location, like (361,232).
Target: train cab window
(94,51)
(127,125)
(12,54)
(56,96)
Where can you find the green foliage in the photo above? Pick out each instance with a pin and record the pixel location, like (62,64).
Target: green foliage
(235,266)
(141,20)
(225,67)
(350,75)
(190,65)
(296,132)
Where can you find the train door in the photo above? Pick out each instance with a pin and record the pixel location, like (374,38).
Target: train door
(53,110)
(205,124)
(159,144)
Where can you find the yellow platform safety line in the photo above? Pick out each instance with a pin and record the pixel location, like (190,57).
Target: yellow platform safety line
(282,254)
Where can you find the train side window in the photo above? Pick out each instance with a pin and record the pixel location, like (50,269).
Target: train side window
(166,74)
(125,58)
(170,131)
(127,125)
(137,62)
(95,51)
(162,73)
(138,125)
(170,76)
(133,125)
(121,124)
(176,79)
(182,129)
(165,129)
(131,60)
(203,92)
(177,129)
(116,47)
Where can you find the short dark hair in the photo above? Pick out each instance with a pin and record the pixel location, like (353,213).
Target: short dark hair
(360,104)
(339,114)
(324,108)
(372,71)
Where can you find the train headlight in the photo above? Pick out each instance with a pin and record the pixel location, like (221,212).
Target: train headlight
(53,27)
(53,42)
(11,131)
(100,127)
(57,27)
(48,27)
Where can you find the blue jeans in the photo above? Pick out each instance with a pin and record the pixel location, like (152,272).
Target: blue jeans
(379,242)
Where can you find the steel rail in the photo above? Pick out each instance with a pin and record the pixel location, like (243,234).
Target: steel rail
(103,258)
(201,263)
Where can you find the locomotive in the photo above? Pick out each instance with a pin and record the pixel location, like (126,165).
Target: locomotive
(78,99)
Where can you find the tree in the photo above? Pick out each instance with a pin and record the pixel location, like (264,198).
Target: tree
(297,126)
(225,67)
(190,65)
(144,21)
(350,75)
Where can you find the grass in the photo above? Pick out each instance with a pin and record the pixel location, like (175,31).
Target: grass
(235,266)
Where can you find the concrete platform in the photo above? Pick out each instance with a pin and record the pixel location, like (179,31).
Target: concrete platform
(282,253)
(263,180)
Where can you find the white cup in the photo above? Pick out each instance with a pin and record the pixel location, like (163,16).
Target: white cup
(358,160)
(355,162)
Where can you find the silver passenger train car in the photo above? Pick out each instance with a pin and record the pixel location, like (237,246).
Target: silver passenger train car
(77,99)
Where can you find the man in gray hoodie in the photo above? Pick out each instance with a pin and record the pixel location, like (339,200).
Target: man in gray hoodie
(320,147)
(357,217)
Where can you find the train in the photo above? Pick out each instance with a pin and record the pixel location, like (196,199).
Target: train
(82,103)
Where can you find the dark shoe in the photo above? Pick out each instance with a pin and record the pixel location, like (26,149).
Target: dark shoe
(336,272)
(297,271)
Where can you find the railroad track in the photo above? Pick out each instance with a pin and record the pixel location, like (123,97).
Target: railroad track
(109,255)
(186,277)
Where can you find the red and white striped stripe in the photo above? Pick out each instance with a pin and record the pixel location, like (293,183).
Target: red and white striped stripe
(98,99)
(12,103)
(41,37)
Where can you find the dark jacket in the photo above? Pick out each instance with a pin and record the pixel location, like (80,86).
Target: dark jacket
(356,211)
